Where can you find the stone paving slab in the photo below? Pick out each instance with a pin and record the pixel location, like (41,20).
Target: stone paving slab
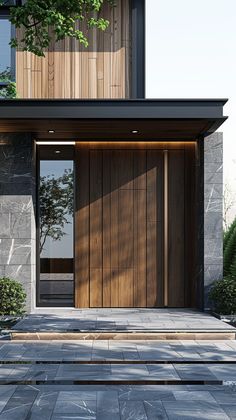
(118,350)
(184,400)
(112,402)
(117,372)
(106,319)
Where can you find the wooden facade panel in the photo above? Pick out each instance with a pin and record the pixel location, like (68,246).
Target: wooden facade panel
(82,278)
(140,248)
(126,229)
(95,209)
(106,227)
(70,70)
(96,291)
(126,288)
(155,278)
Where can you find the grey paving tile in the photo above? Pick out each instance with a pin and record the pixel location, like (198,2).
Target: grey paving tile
(131,355)
(107,404)
(17,371)
(194,395)
(82,407)
(225,397)
(189,410)
(20,398)
(6,392)
(77,395)
(155,410)
(16,413)
(43,406)
(219,355)
(146,394)
(129,372)
(132,410)
(224,372)
(194,372)
(163,372)
(230,410)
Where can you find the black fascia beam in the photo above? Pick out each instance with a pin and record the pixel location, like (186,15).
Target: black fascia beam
(211,109)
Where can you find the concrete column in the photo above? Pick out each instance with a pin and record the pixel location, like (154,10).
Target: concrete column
(213,212)
(17,211)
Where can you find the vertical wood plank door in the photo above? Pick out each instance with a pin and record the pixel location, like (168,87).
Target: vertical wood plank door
(123,255)
(118,259)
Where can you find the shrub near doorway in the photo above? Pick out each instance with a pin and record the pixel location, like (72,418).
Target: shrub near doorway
(223,292)
(223,295)
(12,297)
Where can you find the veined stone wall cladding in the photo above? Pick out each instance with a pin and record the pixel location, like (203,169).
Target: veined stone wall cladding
(213,211)
(17,211)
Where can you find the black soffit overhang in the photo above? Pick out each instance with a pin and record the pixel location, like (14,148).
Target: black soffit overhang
(141,119)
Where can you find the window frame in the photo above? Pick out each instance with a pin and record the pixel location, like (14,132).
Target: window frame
(47,152)
(4,15)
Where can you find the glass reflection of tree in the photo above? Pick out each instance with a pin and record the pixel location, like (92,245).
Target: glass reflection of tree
(56,203)
(9,90)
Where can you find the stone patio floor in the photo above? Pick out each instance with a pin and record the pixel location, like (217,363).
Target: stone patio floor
(54,380)
(53,319)
(118,380)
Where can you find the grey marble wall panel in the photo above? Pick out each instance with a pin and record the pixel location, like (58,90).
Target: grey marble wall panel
(213,212)
(17,211)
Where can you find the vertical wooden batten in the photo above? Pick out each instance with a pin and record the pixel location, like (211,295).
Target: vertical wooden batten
(69,70)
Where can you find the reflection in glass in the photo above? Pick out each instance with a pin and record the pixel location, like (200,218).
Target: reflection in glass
(5,49)
(56,232)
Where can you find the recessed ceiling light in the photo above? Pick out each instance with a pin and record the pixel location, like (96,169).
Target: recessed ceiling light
(55,143)
(51,131)
(135,131)
(57,151)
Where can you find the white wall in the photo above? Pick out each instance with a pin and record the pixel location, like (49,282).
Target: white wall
(191,53)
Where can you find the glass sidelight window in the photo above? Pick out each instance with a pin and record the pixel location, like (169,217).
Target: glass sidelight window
(56,230)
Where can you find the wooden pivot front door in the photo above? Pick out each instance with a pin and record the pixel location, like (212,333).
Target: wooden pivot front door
(120,248)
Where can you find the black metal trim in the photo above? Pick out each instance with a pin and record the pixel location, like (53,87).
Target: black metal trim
(37,230)
(38,159)
(200,222)
(117,362)
(13,54)
(138,48)
(5,14)
(142,109)
(109,382)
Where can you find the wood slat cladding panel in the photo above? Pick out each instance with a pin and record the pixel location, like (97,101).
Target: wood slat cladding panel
(70,70)
(155,228)
(82,263)
(120,227)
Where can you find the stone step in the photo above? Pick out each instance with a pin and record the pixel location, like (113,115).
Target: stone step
(125,335)
(184,373)
(103,402)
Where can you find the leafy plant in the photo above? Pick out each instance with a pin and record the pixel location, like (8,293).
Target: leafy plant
(223,296)
(56,202)
(5,75)
(230,251)
(9,91)
(63,17)
(12,297)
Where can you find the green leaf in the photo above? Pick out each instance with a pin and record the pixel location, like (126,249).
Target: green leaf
(63,17)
